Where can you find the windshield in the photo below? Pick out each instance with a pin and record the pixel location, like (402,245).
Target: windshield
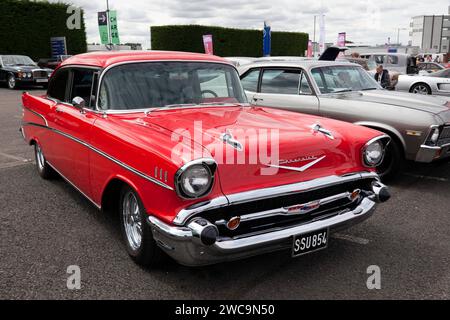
(334,79)
(17,60)
(441,74)
(161,84)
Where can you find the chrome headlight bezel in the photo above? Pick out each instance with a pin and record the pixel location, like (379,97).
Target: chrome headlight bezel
(207,164)
(433,135)
(381,142)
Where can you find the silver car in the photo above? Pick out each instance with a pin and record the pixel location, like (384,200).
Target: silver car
(418,125)
(437,83)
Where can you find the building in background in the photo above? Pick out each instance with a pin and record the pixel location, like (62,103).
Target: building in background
(431,33)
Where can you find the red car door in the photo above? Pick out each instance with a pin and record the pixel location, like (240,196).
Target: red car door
(73,126)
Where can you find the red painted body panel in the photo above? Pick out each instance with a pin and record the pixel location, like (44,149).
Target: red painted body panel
(91,150)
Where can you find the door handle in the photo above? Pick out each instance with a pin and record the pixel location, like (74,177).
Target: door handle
(257,99)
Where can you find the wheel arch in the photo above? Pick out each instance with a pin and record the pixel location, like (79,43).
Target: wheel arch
(389,130)
(111,192)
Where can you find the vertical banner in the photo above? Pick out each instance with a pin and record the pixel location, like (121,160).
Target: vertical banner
(208,43)
(266,40)
(309,52)
(114,30)
(103,27)
(341,39)
(322,33)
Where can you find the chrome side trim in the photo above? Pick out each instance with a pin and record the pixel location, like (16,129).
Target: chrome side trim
(73,185)
(37,114)
(107,156)
(267,193)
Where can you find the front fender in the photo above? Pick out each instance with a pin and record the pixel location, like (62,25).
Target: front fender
(385,128)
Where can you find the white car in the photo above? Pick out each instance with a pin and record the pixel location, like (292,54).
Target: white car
(437,83)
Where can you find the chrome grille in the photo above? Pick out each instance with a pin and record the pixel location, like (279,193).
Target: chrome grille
(444,137)
(39,74)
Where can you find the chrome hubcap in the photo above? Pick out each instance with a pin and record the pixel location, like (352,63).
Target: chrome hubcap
(11,82)
(40,158)
(132,220)
(421,90)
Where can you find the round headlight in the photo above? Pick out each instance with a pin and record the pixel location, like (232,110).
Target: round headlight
(373,153)
(195,181)
(29,75)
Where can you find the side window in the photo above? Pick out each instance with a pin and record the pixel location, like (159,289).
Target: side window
(317,75)
(280,81)
(379,59)
(58,84)
(82,85)
(250,80)
(392,59)
(304,85)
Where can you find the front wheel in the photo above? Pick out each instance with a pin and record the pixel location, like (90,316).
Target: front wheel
(136,232)
(392,161)
(12,84)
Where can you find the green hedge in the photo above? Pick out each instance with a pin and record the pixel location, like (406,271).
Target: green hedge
(26,28)
(227,41)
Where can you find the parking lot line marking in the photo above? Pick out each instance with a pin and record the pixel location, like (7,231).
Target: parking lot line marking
(14,164)
(10,156)
(350,238)
(425,177)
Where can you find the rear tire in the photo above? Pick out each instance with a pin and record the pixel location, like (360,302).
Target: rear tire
(392,162)
(43,168)
(136,233)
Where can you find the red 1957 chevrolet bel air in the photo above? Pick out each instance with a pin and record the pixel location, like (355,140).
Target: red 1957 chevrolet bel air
(169,141)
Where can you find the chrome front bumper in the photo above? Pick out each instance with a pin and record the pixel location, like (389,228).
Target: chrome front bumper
(429,153)
(185,246)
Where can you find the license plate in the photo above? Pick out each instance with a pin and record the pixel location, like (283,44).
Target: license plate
(309,242)
(41,80)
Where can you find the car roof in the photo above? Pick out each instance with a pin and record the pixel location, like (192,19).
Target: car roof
(305,64)
(104,59)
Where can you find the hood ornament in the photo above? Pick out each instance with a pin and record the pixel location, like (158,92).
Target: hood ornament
(228,138)
(299,169)
(318,128)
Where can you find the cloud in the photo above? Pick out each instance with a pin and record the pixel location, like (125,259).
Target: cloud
(366,21)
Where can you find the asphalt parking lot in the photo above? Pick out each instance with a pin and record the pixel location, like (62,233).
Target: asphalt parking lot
(45,226)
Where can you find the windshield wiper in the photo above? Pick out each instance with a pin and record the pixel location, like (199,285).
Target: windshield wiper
(368,89)
(342,90)
(169,106)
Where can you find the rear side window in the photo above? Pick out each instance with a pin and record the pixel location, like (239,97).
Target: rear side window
(58,84)
(250,80)
(392,60)
(280,81)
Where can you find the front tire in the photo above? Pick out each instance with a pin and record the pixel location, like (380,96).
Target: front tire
(392,161)
(11,82)
(43,168)
(420,88)
(137,234)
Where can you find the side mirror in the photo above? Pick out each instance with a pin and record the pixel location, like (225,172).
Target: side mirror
(79,103)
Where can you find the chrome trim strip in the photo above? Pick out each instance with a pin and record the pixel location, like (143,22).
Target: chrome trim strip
(73,185)
(37,114)
(299,169)
(254,195)
(118,162)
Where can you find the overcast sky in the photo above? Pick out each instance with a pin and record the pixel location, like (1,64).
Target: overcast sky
(366,21)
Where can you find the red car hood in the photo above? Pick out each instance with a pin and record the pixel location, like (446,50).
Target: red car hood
(291,142)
